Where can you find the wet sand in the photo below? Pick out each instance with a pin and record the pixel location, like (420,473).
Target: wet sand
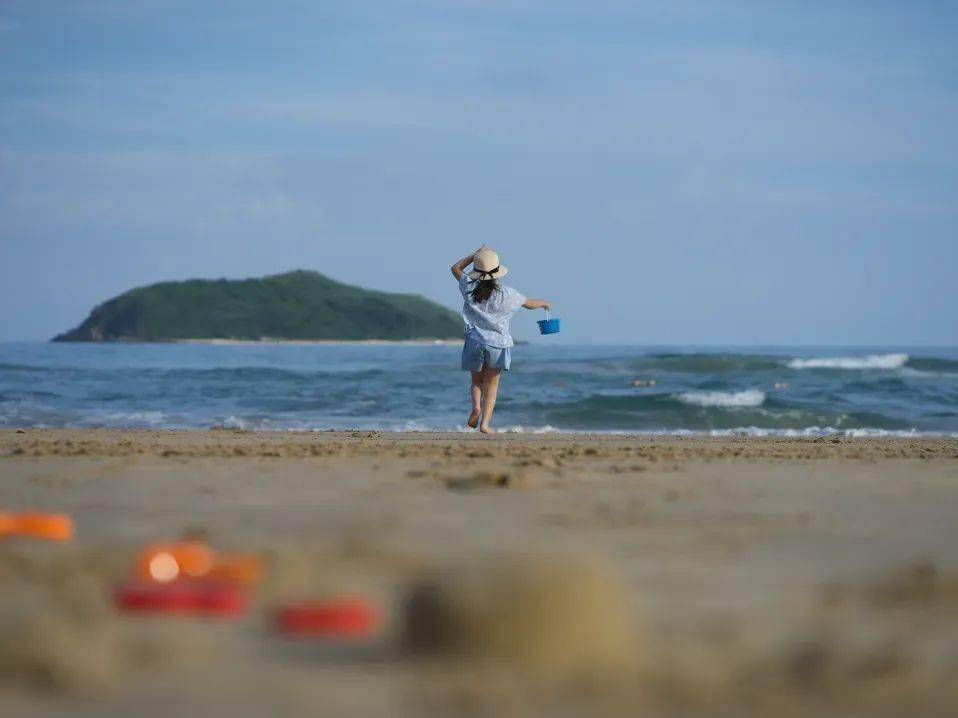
(549,575)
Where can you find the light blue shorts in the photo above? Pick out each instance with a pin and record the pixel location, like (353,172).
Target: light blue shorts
(476,355)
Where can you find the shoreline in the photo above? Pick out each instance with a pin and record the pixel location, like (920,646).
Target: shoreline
(233,426)
(296,444)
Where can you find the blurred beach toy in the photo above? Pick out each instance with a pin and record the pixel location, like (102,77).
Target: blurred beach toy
(236,568)
(164,563)
(223,600)
(548,325)
(32,524)
(341,618)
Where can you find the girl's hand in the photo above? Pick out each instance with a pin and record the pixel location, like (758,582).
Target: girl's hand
(460,266)
(480,249)
(547,305)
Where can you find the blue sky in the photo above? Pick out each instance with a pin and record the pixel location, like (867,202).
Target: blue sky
(665,172)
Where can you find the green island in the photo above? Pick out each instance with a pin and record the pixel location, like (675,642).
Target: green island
(298,306)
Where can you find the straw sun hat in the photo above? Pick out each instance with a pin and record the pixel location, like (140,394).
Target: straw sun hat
(485,265)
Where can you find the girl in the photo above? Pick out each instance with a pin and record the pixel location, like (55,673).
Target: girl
(487,308)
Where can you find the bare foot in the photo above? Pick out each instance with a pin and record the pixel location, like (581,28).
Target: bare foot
(473,420)
(486,429)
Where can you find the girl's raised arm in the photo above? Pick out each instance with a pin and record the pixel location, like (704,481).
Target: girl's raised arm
(459,266)
(538,304)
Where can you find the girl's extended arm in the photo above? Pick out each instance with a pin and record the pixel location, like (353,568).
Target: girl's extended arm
(538,304)
(459,266)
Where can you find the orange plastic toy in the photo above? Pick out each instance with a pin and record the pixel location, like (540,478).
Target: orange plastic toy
(165,563)
(236,568)
(32,524)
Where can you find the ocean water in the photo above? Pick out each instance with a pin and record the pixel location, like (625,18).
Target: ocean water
(769,391)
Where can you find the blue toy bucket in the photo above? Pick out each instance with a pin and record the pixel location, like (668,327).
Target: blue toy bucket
(548,325)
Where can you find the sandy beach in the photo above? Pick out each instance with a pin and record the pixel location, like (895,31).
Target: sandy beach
(518,575)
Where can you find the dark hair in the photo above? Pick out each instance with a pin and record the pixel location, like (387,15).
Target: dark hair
(483,290)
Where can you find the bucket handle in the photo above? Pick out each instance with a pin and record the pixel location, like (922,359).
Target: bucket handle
(548,318)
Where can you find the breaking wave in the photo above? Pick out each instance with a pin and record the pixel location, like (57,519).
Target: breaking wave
(749,397)
(871,361)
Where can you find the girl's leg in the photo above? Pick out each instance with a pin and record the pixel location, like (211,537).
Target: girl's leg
(476,394)
(490,388)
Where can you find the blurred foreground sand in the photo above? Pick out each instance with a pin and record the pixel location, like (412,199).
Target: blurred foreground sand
(521,575)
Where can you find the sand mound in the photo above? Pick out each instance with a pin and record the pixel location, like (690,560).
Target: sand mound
(556,617)
(67,645)
(60,633)
(919,585)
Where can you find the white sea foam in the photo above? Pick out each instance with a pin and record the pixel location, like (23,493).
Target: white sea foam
(749,431)
(817,431)
(530,429)
(516,429)
(748,397)
(129,419)
(871,361)
(234,422)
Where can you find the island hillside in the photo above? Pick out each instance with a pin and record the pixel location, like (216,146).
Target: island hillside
(300,305)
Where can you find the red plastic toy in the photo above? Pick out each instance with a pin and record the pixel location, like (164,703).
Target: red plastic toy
(189,598)
(342,618)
